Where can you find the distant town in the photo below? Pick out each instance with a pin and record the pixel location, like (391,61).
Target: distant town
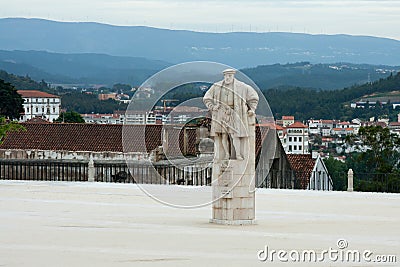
(315,136)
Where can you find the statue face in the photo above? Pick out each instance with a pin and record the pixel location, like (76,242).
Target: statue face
(228,78)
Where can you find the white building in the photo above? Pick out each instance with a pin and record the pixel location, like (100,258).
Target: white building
(103,118)
(287,120)
(297,139)
(40,104)
(141,117)
(314,126)
(320,178)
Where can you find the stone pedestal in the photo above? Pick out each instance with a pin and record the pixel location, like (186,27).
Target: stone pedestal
(233,183)
(350,176)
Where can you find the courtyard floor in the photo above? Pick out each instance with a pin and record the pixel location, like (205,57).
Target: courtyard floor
(100,224)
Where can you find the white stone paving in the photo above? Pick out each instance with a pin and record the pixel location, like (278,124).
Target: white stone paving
(100,224)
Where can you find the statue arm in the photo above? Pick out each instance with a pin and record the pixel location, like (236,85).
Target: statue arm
(252,99)
(208,98)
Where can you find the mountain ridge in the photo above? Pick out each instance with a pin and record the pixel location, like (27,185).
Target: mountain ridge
(59,68)
(238,49)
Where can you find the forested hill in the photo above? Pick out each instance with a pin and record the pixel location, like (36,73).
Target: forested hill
(306,103)
(23,83)
(319,76)
(71,100)
(303,103)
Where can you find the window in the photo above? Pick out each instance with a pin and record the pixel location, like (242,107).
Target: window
(299,139)
(27,110)
(295,139)
(290,139)
(295,148)
(290,148)
(37,109)
(300,147)
(54,110)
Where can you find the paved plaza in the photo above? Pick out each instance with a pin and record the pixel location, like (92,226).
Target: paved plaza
(102,224)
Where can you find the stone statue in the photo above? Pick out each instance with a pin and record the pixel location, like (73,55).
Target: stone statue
(232,104)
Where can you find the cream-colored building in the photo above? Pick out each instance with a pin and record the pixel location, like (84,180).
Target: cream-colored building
(40,104)
(297,139)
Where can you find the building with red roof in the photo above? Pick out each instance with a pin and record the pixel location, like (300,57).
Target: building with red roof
(40,104)
(311,173)
(297,139)
(287,120)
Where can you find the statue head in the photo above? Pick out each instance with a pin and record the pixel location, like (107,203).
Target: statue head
(229,75)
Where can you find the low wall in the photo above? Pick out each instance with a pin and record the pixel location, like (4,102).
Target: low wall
(70,155)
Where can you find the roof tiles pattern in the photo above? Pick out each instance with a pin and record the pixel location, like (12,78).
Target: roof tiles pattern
(303,166)
(35,93)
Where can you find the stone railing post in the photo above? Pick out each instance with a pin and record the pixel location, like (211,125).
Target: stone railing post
(91,170)
(350,176)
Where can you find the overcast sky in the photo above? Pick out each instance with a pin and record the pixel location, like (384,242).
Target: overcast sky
(357,17)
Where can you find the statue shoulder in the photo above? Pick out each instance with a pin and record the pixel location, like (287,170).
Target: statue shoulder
(210,92)
(214,87)
(243,85)
(217,84)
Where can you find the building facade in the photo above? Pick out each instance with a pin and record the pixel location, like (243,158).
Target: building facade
(297,139)
(40,104)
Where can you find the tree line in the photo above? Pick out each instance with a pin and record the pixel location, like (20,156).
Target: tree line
(376,168)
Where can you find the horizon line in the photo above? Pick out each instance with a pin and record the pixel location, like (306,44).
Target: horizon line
(200,31)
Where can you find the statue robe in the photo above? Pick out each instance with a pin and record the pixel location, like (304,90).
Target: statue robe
(244,99)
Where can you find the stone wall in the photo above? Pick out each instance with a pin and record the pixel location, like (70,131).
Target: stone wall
(70,155)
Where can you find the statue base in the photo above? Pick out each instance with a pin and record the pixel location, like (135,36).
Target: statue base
(235,222)
(233,184)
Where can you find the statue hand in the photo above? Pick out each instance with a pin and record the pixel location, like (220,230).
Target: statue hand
(250,112)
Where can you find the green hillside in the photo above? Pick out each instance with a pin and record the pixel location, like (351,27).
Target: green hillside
(70,100)
(318,76)
(306,103)
(303,103)
(23,83)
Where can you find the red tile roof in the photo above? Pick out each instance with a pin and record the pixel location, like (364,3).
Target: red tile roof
(287,117)
(109,138)
(83,137)
(271,126)
(35,93)
(303,166)
(297,125)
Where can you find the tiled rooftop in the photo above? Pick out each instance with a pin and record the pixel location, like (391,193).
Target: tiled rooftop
(297,125)
(303,166)
(83,137)
(35,93)
(41,135)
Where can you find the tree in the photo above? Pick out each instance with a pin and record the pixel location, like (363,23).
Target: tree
(383,154)
(71,117)
(338,171)
(10,101)
(121,88)
(6,127)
